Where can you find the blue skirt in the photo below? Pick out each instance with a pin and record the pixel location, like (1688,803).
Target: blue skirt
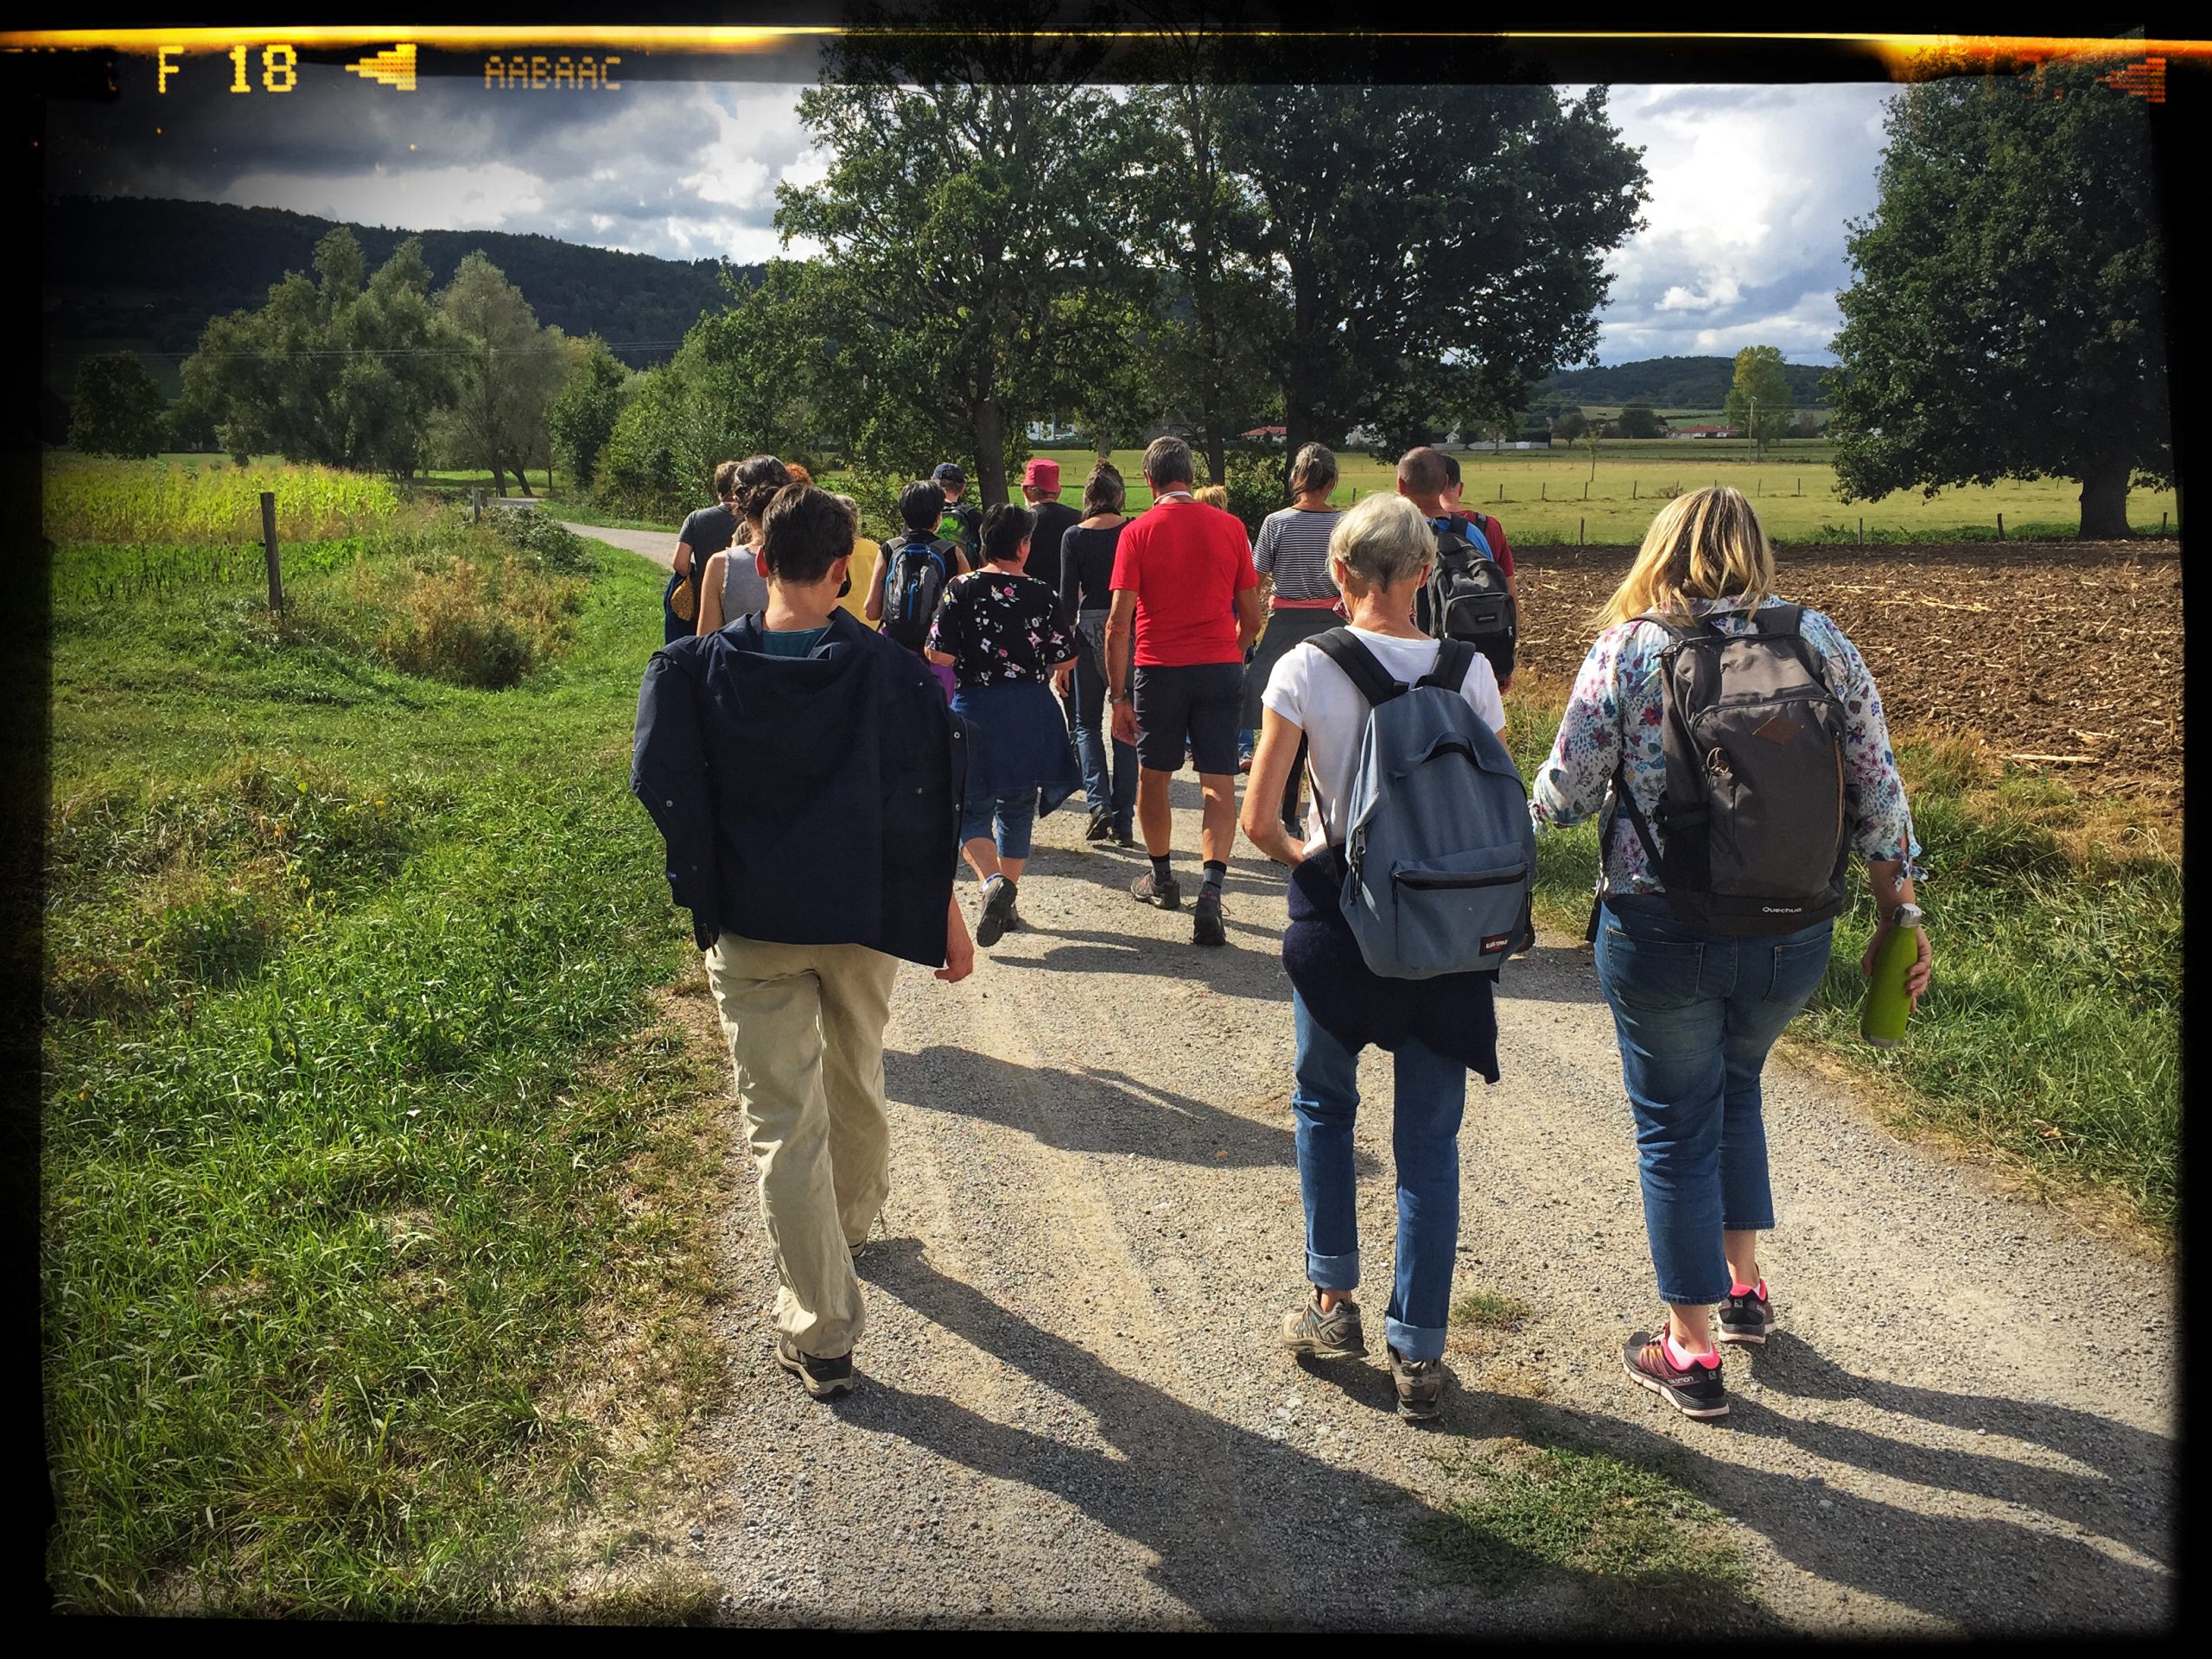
(1019,742)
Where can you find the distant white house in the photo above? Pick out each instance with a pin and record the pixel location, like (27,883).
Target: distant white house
(1052,431)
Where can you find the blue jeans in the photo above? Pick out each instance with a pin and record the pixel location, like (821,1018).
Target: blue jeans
(1110,767)
(1008,819)
(1695,1013)
(1430,1095)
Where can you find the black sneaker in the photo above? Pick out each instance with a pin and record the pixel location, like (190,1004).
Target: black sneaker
(1695,1390)
(1206,927)
(1333,1335)
(1124,836)
(1748,1319)
(1420,1387)
(1167,894)
(1101,825)
(998,913)
(824,1379)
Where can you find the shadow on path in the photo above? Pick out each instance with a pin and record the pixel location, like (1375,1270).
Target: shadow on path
(1089,1110)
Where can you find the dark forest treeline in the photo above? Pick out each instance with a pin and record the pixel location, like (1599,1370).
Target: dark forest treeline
(121,268)
(1672,383)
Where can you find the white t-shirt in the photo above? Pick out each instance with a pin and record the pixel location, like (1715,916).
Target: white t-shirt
(1314,695)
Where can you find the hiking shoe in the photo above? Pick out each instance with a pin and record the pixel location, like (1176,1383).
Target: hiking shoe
(998,913)
(1420,1387)
(1748,1318)
(1696,1391)
(1206,927)
(1244,763)
(1166,894)
(1333,1335)
(824,1379)
(1124,836)
(1101,825)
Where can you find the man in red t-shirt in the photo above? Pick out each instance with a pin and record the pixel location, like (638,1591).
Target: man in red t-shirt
(1186,604)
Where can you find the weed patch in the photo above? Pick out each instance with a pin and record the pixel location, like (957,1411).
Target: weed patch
(1489,1310)
(1633,1535)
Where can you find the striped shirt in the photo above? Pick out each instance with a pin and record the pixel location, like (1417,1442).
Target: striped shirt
(1293,547)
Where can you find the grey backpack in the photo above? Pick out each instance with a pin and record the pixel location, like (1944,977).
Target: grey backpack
(1440,857)
(1758,805)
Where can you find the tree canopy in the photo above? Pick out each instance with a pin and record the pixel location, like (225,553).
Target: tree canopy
(2008,315)
(1760,402)
(506,371)
(120,410)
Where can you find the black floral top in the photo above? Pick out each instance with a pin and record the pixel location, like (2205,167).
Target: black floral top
(1000,629)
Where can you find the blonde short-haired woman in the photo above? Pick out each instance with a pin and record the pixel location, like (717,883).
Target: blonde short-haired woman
(1696,1011)
(1437,1030)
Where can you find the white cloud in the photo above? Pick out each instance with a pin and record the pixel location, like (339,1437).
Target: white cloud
(491,196)
(1743,234)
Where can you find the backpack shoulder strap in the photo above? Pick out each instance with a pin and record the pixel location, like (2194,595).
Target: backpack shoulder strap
(1343,648)
(1454,658)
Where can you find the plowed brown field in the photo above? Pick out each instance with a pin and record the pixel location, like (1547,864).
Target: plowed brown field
(2065,656)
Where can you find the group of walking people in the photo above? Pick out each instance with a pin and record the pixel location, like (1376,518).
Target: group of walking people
(791,728)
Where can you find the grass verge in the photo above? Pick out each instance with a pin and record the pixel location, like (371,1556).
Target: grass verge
(352,1142)
(2051,1034)
(1633,1536)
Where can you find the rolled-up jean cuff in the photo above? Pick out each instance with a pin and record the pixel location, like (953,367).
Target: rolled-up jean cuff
(1414,1341)
(1761,1223)
(1713,1293)
(1332,1271)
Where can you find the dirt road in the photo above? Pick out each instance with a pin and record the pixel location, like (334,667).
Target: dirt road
(1072,1411)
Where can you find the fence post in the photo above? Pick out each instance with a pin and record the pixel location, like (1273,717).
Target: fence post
(1586,489)
(1862,530)
(1544,490)
(269,548)
(1580,525)
(2162,525)
(476,506)
(1799,490)
(1631,489)
(2000,526)
(1500,491)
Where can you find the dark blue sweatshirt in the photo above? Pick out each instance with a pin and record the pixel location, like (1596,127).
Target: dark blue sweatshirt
(811,800)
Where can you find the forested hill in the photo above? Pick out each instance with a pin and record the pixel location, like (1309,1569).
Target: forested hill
(154,271)
(1671,383)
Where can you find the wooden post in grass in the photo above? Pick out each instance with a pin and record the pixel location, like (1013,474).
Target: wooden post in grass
(1862,530)
(1500,491)
(1586,489)
(269,548)
(2000,526)
(1580,525)
(476,506)
(1544,491)
(1631,489)
(2162,526)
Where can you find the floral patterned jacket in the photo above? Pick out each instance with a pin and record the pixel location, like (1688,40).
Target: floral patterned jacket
(1616,701)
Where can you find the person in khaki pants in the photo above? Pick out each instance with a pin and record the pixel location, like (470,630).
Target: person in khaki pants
(799,728)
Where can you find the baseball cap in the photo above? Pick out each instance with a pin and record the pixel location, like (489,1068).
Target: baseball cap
(948,472)
(1041,474)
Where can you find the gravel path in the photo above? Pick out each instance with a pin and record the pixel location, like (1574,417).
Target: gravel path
(1073,1412)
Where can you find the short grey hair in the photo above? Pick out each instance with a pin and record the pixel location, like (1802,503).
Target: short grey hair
(1168,460)
(1384,539)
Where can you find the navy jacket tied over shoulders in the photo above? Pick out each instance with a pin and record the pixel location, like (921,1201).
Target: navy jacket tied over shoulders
(811,800)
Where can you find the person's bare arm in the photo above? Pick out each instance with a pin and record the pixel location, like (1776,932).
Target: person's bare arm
(1271,763)
(1121,653)
(875,607)
(710,595)
(681,559)
(1250,618)
(1893,886)
(959,949)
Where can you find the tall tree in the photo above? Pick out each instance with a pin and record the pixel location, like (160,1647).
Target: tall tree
(1760,402)
(119,407)
(1434,249)
(583,416)
(2008,315)
(506,371)
(325,370)
(975,234)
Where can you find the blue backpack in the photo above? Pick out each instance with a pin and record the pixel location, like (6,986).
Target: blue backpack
(1440,857)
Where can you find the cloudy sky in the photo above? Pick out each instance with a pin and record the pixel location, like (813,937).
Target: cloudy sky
(1751,186)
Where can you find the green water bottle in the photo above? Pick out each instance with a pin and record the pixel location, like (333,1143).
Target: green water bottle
(1882,1016)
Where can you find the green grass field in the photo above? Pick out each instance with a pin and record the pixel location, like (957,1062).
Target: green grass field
(348,1065)
(1540,496)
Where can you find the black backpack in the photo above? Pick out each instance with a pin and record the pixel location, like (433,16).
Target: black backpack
(1467,597)
(1757,808)
(915,572)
